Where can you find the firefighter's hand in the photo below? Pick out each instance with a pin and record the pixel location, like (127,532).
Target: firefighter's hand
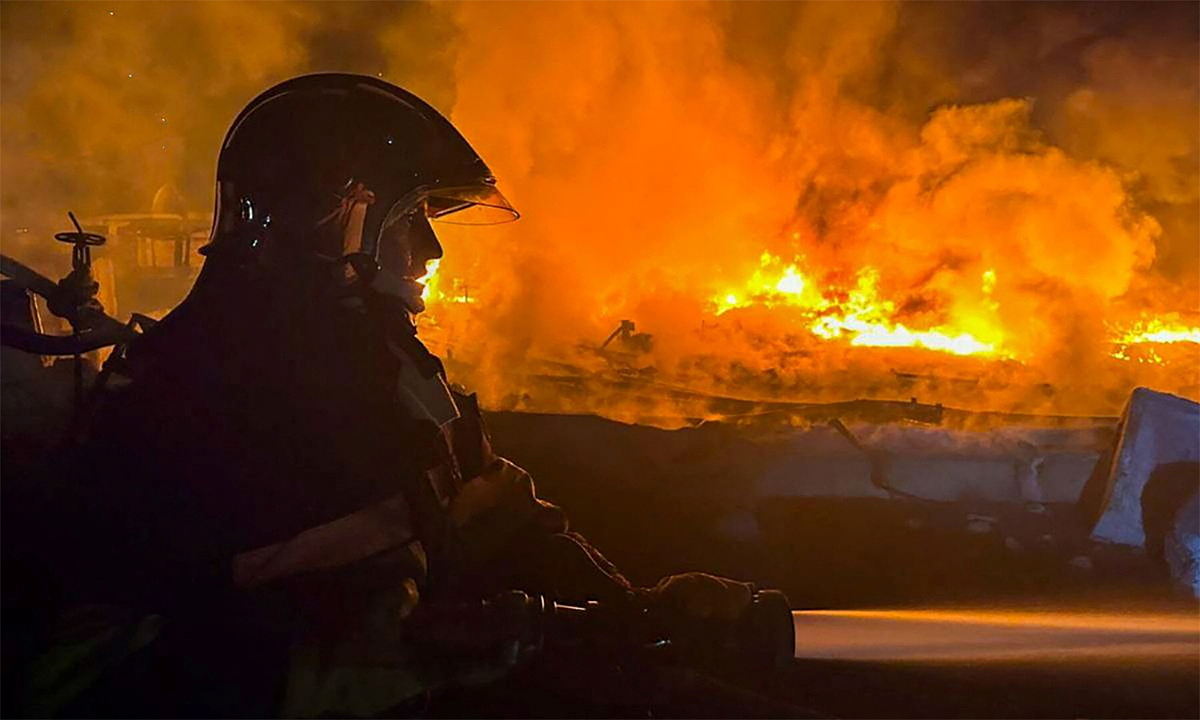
(484,640)
(702,596)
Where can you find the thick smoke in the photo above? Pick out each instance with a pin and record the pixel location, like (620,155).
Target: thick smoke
(657,150)
(104,103)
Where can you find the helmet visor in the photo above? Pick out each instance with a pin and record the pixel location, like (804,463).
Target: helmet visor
(473,205)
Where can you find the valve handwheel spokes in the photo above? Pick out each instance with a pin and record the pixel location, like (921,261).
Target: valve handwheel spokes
(72,298)
(81,255)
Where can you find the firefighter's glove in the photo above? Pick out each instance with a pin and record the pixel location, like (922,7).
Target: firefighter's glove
(482,639)
(701,596)
(490,510)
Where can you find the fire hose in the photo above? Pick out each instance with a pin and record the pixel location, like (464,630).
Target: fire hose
(760,639)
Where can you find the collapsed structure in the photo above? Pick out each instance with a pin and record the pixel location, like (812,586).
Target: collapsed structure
(859,482)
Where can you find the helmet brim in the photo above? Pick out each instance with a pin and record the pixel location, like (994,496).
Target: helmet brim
(469,205)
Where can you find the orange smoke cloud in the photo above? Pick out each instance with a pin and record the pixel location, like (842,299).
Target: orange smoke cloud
(654,172)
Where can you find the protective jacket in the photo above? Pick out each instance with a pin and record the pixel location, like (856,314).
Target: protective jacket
(262,469)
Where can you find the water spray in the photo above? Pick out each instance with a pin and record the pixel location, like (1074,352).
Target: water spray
(991,635)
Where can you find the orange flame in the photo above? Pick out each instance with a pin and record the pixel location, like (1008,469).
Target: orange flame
(1156,330)
(434,292)
(863,317)
(1141,341)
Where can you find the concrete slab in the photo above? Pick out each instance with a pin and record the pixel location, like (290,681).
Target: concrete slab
(1157,429)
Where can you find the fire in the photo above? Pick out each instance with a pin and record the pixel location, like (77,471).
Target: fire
(1156,330)
(429,292)
(917,241)
(1142,341)
(858,315)
(434,287)
(989,281)
(862,317)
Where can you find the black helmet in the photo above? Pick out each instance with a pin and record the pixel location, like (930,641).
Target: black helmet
(303,155)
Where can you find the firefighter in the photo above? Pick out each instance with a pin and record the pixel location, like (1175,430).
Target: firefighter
(280,470)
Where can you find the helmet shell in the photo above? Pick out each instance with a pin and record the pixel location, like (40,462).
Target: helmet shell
(296,152)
